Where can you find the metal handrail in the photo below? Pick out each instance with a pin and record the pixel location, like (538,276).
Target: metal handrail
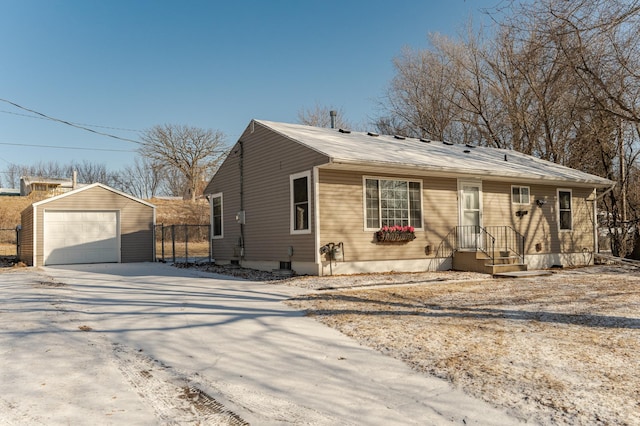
(474,237)
(509,240)
(486,240)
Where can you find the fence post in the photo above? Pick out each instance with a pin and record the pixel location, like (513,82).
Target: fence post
(173,242)
(186,244)
(162,239)
(210,243)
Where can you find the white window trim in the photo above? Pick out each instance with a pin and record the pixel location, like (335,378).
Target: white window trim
(528,203)
(292,221)
(558,190)
(364,200)
(212,196)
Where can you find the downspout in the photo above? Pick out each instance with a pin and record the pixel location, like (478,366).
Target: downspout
(596,248)
(316,215)
(241,164)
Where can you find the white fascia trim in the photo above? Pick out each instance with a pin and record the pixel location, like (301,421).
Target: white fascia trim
(34,246)
(316,215)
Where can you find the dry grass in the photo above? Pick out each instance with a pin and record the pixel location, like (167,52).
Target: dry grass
(199,249)
(560,349)
(170,212)
(10,209)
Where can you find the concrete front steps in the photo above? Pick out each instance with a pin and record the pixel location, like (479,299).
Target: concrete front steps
(477,261)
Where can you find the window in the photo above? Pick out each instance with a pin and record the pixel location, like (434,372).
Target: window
(564,210)
(216,216)
(300,190)
(392,202)
(520,195)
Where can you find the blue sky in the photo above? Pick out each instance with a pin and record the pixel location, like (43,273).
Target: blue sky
(128,65)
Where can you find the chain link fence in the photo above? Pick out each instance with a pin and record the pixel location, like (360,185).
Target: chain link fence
(8,242)
(183,243)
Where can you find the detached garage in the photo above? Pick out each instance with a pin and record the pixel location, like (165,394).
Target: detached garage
(92,224)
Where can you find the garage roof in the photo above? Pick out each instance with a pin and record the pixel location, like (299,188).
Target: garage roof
(93,185)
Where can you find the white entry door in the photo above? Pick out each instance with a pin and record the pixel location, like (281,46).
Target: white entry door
(80,237)
(470,196)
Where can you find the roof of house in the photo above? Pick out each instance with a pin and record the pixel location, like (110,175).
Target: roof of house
(29,180)
(362,149)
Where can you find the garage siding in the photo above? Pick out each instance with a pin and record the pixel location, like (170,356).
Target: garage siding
(25,249)
(266,178)
(136,220)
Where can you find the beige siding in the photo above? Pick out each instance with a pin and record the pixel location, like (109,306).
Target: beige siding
(26,236)
(268,161)
(227,182)
(540,224)
(136,221)
(342,217)
(581,237)
(440,209)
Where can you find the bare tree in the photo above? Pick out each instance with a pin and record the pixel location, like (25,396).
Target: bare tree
(595,44)
(319,116)
(89,172)
(142,179)
(421,95)
(191,151)
(14,172)
(555,79)
(173,183)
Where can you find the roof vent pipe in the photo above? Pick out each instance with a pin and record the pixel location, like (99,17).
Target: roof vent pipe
(333,115)
(74,179)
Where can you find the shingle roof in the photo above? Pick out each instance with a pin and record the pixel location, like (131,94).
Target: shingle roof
(360,148)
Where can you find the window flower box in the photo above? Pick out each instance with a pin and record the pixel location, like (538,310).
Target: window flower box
(395,233)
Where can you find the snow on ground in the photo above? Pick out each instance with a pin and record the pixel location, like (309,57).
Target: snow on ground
(561,349)
(143,344)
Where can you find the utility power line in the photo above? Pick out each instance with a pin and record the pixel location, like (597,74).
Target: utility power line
(68,123)
(77,124)
(67,147)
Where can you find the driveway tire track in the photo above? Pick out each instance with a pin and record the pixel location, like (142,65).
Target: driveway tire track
(171,395)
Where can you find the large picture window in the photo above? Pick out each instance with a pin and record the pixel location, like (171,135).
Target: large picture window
(564,210)
(216,216)
(300,192)
(392,202)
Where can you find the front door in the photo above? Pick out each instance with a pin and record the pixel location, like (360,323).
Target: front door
(470,203)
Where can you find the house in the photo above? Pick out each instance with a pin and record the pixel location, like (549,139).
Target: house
(322,201)
(91,224)
(46,186)
(9,192)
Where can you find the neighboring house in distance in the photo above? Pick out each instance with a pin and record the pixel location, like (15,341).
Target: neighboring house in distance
(46,186)
(9,192)
(320,201)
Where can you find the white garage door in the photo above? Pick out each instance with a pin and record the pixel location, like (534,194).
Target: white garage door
(81,237)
